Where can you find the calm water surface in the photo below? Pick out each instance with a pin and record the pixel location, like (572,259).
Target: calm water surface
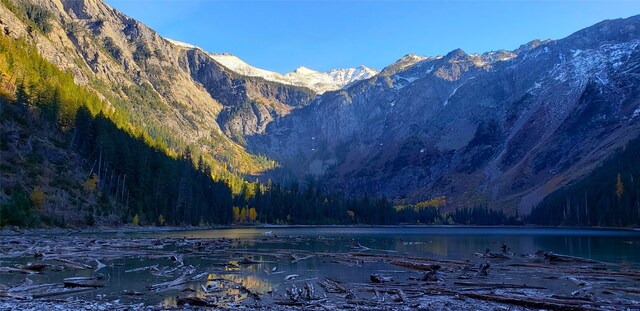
(620,247)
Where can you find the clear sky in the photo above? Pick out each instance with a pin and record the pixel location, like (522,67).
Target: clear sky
(282,35)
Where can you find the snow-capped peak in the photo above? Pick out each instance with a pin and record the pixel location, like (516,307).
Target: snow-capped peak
(304,71)
(319,82)
(182,44)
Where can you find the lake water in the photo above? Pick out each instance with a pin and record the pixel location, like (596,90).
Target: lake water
(619,247)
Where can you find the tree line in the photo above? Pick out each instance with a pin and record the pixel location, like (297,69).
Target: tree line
(608,196)
(124,176)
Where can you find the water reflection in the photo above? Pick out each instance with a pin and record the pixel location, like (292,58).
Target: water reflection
(254,263)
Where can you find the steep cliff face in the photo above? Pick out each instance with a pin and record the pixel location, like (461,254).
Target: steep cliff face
(176,94)
(503,128)
(249,103)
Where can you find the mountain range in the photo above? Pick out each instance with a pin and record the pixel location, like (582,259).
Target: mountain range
(503,128)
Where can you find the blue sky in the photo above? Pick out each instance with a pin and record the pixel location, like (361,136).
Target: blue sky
(282,35)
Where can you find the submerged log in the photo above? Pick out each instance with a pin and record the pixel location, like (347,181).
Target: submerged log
(247,261)
(194,301)
(379,278)
(483,269)
(433,276)
(62,292)
(534,302)
(415,265)
(92,284)
(497,285)
(331,286)
(32,267)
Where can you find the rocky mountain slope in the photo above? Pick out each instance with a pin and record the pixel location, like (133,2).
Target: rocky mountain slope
(319,82)
(179,96)
(502,128)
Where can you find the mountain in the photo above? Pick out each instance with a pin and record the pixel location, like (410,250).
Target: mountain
(319,82)
(172,94)
(501,129)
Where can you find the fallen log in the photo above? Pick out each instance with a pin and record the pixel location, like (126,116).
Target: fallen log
(415,265)
(62,292)
(16,270)
(483,269)
(32,267)
(87,283)
(577,282)
(379,278)
(74,265)
(626,290)
(433,276)
(497,285)
(331,286)
(161,286)
(535,302)
(553,257)
(194,301)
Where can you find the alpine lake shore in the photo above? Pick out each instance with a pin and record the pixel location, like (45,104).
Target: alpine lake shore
(129,269)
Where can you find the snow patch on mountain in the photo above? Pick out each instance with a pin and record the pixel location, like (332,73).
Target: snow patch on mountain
(182,44)
(593,63)
(317,81)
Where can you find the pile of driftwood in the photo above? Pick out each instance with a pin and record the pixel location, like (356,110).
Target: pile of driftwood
(490,279)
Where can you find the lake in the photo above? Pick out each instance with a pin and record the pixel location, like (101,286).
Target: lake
(280,257)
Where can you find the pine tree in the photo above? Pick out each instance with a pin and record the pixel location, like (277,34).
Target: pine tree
(619,188)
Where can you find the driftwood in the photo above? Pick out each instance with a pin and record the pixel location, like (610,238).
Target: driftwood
(295,296)
(379,278)
(32,267)
(290,277)
(331,286)
(62,292)
(82,284)
(415,265)
(194,301)
(17,270)
(166,285)
(247,261)
(576,281)
(537,302)
(483,269)
(600,287)
(497,285)
(433,276)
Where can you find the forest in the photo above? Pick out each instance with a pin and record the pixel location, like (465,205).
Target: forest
(608,196)
(67,161)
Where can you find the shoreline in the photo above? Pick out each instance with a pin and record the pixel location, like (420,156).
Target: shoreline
(151,229)
(159,273)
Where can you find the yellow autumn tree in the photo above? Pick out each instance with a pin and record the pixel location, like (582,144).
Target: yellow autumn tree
(352,214)
(243,214)
(136,220)
(37,197)
(91,183)
(253,214)
(160,220)
(236,214)
(619,187)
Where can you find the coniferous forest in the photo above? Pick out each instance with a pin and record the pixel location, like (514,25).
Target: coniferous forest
(608,196)
(87,167)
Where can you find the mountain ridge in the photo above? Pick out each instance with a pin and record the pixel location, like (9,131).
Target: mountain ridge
(477,132)
(502,128)
(319,82)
